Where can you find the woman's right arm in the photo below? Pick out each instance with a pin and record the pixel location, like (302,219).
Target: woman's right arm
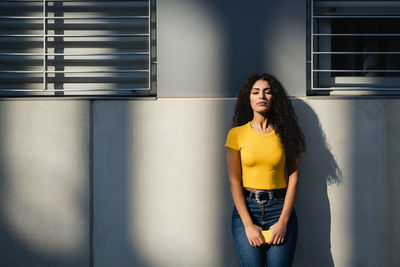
(253,232)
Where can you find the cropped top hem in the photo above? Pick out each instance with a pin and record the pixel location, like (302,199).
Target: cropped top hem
(251,188)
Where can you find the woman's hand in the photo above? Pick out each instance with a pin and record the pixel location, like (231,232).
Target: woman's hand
(253,233)
(278,233)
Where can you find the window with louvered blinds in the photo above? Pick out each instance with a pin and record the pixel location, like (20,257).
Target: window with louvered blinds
(355,47)
(77,48)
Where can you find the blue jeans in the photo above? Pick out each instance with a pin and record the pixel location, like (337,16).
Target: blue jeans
(264,216)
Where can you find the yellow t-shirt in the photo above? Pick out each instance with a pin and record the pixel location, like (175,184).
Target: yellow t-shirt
(262,157)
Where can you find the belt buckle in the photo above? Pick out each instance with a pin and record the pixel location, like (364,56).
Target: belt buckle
(259,201)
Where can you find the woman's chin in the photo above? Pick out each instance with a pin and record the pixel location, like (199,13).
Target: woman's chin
(262,111)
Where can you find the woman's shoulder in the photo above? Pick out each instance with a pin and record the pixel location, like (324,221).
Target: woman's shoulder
(239,129)
(234,137)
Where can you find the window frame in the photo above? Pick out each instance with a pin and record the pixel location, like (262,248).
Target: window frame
(121,93)
(319,55)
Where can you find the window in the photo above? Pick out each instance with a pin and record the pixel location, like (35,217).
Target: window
(77,48)
(355,47)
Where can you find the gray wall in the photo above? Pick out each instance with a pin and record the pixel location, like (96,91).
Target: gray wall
(143,182)
(207,48)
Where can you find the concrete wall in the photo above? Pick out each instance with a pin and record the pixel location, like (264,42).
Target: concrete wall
(143,182)
(348,187)
(348,199)
(160,191)
(44,183)
(207,48)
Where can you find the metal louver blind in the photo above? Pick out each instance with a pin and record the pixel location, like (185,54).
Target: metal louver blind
(355,46)
(67,48)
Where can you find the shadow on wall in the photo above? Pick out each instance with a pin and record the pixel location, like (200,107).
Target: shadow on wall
(253,38)
(113,144)
(44,185)
(318,170)
(245,29)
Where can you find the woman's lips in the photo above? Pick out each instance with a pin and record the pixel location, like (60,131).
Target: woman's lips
(262,103)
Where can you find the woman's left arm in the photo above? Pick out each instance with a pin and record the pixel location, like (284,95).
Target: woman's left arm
(279,228)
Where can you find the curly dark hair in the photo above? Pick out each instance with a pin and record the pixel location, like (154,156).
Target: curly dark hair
(281,115)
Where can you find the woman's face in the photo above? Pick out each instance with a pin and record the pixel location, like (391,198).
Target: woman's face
(261,97)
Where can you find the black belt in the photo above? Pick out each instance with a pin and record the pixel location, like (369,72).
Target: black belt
(262,196)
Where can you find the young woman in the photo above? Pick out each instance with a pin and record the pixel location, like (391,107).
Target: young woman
(263,158)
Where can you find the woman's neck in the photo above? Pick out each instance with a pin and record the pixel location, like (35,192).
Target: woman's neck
(260,121)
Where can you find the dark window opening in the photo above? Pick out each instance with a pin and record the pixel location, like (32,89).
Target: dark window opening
(378,45)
